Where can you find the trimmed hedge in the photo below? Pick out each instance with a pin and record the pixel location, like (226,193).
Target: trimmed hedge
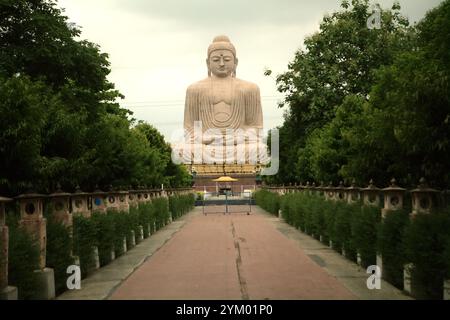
(105,231)
(59,249)
(426,243)
(84,241)
(23,259)
(391,246)
(179,205)
(423,240)
(268,201)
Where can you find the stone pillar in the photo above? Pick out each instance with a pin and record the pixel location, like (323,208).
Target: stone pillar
(81,203)
(99,201)
(341,192)
(423,199)
(423,202)
(32,221)
(133,198)
(446,294)
(371,195)
(60,205)
(6,292)
(353,193)
(393,200)
(123,201)
(329,192)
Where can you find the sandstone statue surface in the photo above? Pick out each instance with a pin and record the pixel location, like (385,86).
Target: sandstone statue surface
(223,115)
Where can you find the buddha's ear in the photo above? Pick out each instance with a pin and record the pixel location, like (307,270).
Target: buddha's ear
(207,66)
(236,61)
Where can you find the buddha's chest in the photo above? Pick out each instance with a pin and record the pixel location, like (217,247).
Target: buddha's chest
(221,97)
(221,92)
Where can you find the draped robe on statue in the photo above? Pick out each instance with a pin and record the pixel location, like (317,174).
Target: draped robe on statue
(242,112)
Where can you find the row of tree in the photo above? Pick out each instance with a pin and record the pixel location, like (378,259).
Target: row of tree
(368,103)
(60,119)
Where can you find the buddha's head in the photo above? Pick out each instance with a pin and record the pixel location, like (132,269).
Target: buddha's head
(221,61)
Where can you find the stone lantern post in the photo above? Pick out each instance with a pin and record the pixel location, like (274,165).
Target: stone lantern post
(341,192)
(329,191)
(33,222)
(6,292)
(99,199)
(132,198)
(353,193)
(320,189)
(393,198)
(81,203)
(423,198)
(60,205)
(371,195)
(118,200)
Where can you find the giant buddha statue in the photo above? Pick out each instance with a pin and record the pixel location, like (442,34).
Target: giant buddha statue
(226,110)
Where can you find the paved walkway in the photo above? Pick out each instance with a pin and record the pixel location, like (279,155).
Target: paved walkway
(234,256)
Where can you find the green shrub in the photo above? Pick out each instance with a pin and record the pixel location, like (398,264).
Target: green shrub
(23,259)
(145,217)
(267,200)
(59,252)
(181,204)
(426,240)
(161,211)
(104,236)
(121,230)
(84,241)
(132,225)
(391,246)
(364,229)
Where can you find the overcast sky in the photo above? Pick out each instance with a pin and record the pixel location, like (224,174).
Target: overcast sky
(157,48)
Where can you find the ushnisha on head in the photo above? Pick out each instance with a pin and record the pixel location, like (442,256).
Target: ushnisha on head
(222,60)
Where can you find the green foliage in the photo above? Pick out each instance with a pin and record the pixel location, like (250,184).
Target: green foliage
(23,259)
(161,211)
(426,239)
(337,61)
(104,235)
(60,118)
(146,218)
(268,201)
(391,246)
(181,204)
(59,249)
(353,89)
(364,231)
(84,241)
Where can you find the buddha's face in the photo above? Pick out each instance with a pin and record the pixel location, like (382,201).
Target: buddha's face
(222,63)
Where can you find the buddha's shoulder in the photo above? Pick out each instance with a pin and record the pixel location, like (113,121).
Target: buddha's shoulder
(199,85)
(246,85)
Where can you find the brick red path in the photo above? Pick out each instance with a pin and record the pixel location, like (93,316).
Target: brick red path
(230,257)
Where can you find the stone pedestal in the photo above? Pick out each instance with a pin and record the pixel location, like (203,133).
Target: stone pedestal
(96,258)
(379,262)
(358,259)
(8,293)
(407,278)
(141,233)
(46,284)
(133,238)
(446,294)
(124,244)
